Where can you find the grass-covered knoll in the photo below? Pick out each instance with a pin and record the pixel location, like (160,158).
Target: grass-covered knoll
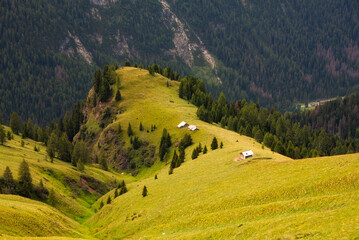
(268,196)
(74,191)
(24,217)
(148,100)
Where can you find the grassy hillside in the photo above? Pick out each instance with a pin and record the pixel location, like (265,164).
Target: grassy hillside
(74,193)
(214,196)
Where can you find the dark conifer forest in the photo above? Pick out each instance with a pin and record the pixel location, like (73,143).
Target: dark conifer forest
(276,53)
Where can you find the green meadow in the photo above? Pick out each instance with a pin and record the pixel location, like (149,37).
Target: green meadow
(216,196)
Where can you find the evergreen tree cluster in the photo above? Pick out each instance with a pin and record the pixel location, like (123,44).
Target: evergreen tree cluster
(23,186)
(339,117)
(103,81)
(281,133)
(165,144)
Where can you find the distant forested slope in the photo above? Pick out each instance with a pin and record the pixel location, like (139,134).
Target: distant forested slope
(276,53)
(279,52)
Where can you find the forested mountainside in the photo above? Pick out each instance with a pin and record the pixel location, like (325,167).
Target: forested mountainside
(340,117)
(276,53)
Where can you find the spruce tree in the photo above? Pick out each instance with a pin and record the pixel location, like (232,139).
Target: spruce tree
(214,144)
(221,145)
(118,96)
(2,135)
(129,130)
(205,149)
(25,180)
(101,204)
(156,177)
(98,81)
(144,191)
(103,163)
(8,178)
(80,165)
(15,123)
(195,153)
(51,198)
(109,200)
(52,145)
(116,194)
(182,154)
(64,147)
(141,126)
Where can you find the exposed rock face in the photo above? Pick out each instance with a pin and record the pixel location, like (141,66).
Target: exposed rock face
(184,47)
(181,41)
(81,50)
(103,2)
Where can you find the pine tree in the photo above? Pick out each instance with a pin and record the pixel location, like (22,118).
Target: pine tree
(8,178)
(52,145)
(15,123)
(214,144)
(164,144)
(175,163)
(51,199)
(129,130)
(170,171)
(105,91)
(144,191)
(116,194)
(205,149)
(103,163)
(118,96)
(64,148)
(80,165)
(98,81)
(182,154)
(2,135)
(25,180)
(195,153)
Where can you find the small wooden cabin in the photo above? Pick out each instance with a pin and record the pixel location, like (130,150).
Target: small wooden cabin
(193,127)
(182,124)
(246,154)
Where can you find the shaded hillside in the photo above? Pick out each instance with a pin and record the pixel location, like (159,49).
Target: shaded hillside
(340,117)
(277,53)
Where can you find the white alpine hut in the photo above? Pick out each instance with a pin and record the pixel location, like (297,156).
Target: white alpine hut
(193,127)
(246,154)
(182,124)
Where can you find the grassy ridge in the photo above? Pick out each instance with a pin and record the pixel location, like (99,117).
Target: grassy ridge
(214,197)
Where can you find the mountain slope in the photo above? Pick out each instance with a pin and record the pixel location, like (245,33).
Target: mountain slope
(213,196)
(277,53)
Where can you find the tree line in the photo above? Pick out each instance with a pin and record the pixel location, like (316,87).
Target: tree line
(269,127)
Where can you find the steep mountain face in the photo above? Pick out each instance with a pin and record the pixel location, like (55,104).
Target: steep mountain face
(277,53)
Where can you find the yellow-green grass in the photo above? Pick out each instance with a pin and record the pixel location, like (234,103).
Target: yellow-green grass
(24,217)
(213,197)
(148,100)
(78,207)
